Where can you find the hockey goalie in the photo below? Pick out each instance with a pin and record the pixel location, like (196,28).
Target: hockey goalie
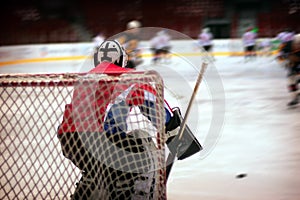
(115,162)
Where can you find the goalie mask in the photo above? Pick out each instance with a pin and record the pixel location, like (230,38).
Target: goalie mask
(111,51)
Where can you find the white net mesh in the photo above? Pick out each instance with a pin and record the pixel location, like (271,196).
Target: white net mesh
(96,130)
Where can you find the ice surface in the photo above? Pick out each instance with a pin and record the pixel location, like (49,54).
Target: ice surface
(257,134)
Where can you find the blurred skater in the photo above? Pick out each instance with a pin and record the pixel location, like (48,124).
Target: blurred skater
(284,38)
(97,41)
(265,47)
(292,52)
(249,43)
(130,39)
(205,40)
(160,46)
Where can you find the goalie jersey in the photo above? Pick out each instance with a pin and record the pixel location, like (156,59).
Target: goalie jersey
(92,102)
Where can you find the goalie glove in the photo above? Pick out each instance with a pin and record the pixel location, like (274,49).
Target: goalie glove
(185,147)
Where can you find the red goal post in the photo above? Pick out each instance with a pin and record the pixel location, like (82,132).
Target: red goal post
(32,107)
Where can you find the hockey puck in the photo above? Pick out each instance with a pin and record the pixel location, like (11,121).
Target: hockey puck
(242,175)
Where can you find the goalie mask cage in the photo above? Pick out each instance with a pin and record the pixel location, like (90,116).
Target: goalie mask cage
(34,163)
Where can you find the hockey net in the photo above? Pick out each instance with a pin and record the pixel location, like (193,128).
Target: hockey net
(37,154)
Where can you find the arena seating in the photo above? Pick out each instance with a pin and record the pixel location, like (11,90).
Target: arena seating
(26,24)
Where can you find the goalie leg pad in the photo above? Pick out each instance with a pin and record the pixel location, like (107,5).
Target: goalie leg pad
(86,189)
(139,182)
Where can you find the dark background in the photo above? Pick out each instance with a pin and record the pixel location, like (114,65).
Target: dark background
(56,21)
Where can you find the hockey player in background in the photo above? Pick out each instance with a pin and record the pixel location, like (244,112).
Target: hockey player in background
(205,40)
(249,43)
(97,41)
(130,40)
(284,37)
(160,46)
(265,47)
(78,134)
(292,52)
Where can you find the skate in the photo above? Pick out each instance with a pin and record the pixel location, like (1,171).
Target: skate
(293,102)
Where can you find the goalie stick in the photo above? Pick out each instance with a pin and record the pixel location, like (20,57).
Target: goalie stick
(172,156)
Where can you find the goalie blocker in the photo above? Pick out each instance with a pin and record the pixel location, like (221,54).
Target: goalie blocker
(188,145)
